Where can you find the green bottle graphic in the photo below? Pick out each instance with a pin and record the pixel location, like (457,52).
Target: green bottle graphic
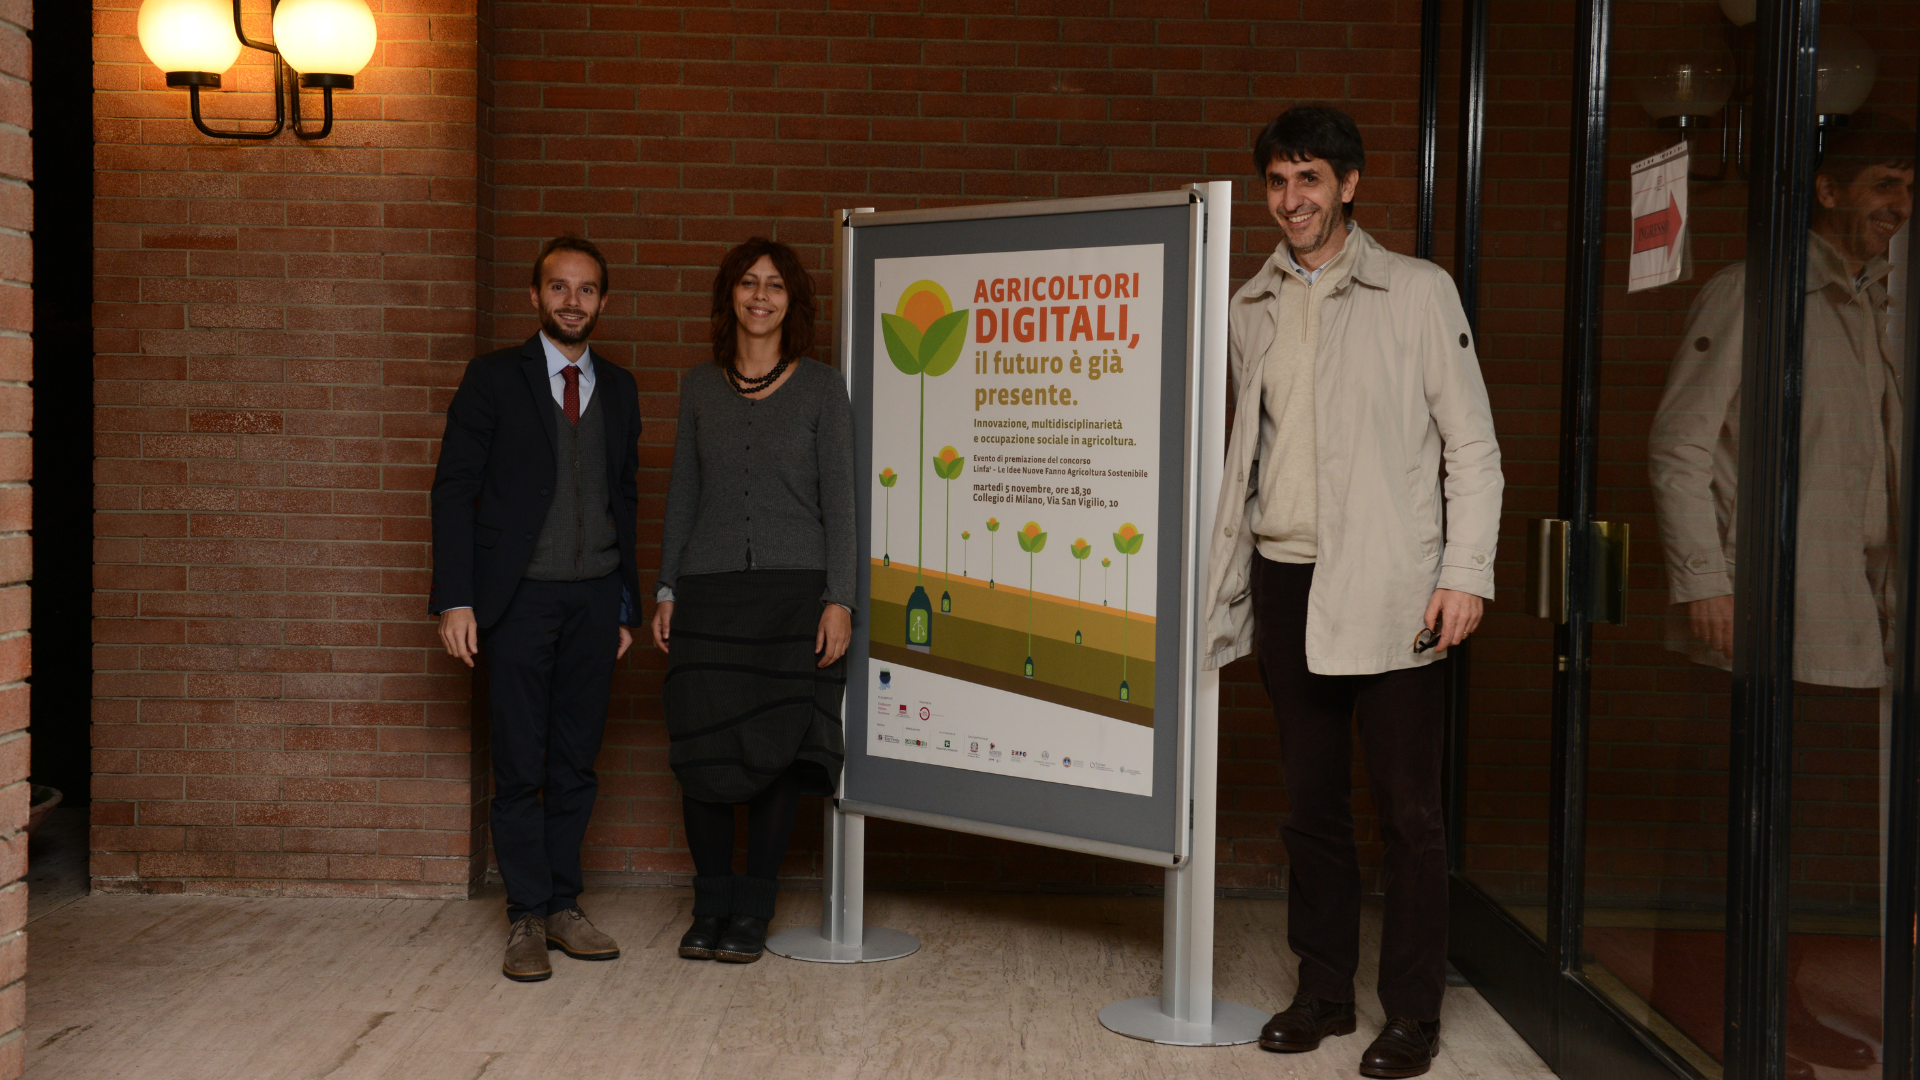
(919,621)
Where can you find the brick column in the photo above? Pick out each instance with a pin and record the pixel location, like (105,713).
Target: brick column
(16,516)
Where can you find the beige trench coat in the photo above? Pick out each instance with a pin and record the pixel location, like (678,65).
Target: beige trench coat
(1397,393)
(1849,449)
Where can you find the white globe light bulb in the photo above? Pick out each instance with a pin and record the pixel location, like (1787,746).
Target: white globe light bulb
(325,37)
(1847,70)
(189,35)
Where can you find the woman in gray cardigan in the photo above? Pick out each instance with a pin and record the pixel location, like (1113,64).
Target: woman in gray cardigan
(756,590)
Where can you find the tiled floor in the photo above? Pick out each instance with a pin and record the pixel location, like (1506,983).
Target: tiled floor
(152,988)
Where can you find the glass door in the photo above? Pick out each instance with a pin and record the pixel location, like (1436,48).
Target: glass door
(1670,780)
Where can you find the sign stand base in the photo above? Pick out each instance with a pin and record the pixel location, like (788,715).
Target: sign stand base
(1145,1018)
(808,943)
(842,936)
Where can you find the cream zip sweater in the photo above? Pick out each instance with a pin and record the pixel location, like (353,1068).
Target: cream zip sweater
(1286,512)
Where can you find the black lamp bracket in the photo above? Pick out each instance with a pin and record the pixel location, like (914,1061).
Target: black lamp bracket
(284,86)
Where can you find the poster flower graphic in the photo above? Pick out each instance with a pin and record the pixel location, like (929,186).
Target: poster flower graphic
(1032,540)
(923,336)
(1105,565)
(1081,549)
(888,478)
(964,537)
(993,533)
(947,467)
(1127,542)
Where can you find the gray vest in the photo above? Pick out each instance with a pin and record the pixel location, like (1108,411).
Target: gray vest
(577,542)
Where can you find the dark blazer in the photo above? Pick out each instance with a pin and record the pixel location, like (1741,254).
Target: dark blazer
(494,483)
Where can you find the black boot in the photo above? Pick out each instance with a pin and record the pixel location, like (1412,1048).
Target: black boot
(712,903)
(743,942)
(746,934)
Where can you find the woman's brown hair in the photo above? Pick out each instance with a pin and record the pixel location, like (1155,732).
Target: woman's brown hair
(796,330)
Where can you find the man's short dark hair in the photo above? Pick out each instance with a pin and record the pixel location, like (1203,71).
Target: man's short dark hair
(570,242)
(1312,131)
(1869,139)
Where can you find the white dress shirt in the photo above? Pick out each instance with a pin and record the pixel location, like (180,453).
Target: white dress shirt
(556,362)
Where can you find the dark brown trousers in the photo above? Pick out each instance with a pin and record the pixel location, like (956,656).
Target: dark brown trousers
(1399,713)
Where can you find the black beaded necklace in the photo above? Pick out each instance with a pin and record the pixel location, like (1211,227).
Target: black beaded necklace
(744,385)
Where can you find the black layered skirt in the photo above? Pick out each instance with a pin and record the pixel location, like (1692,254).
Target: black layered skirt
(744,699)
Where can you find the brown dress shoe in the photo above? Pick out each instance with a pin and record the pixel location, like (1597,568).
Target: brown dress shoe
(571,933)
(1308,1020)
(527,951)
(1404,1048)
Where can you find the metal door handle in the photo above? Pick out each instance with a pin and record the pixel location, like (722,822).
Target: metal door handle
(1548,585)
(1609,572)
(1547,569)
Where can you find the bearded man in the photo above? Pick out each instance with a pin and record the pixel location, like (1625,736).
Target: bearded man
(534,504)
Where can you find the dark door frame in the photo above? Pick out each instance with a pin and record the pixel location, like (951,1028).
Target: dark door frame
(1538,985)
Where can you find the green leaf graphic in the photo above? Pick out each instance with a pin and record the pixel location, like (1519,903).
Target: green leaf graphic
(1031,546)
(903,343)
(942,345)
(1127,546)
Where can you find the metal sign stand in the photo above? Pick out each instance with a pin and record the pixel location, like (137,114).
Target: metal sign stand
(1185,1012)
(843,936)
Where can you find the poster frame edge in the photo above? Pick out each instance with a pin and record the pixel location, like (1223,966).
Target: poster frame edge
(1031,208)
(1194,511)
(1057,841)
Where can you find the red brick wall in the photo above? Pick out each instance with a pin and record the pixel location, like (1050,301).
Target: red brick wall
(278,327)
(16,517)
(667,133)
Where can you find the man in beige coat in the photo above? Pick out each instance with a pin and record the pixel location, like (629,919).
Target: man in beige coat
(1362,425)
(1849,432)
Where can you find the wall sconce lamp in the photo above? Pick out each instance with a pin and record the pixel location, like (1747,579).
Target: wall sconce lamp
(1685,90)
(325,42)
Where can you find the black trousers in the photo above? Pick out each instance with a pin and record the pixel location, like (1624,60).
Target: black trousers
(1400,719)
(549,676)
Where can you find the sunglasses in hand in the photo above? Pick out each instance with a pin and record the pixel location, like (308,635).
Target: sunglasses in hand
(1426,639)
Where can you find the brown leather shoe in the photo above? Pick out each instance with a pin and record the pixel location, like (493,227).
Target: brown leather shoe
(527,951)
(1404,1048)
(571,933)
(1308,1020)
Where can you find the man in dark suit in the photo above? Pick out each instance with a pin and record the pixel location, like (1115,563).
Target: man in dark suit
(534,503)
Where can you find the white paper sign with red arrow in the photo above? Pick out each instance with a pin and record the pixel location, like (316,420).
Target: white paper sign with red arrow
(1659,220)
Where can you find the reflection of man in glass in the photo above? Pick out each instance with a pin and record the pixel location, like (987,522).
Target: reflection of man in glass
(1849,434)
(1849,453)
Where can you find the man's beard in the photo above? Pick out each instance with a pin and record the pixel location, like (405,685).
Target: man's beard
(561,334)
(1319,241)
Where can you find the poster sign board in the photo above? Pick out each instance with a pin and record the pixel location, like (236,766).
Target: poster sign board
(1659,194)
(1024,389)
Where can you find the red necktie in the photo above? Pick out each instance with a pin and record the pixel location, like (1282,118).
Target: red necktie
(572,397)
